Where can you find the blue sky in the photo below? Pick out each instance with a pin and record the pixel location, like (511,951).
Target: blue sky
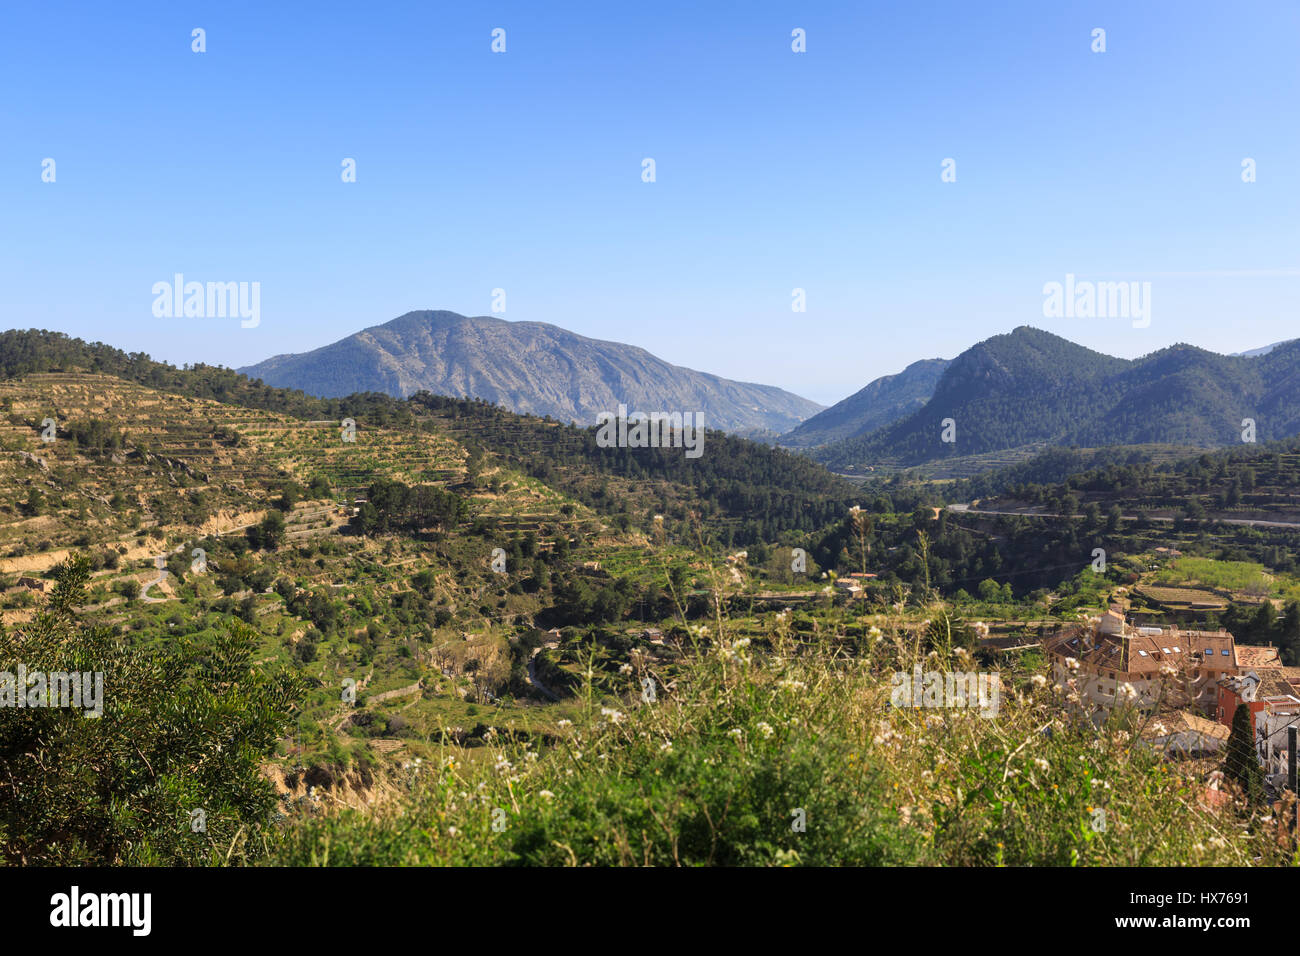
(775,171)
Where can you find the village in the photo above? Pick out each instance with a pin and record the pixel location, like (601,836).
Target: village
(1184,687)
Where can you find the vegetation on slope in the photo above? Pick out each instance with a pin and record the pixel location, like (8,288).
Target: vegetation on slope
(787,753)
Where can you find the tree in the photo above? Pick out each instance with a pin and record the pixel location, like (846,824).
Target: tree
(35,503)
(272,528)
(1241,764)
(184,728)
(1233,497)
(1289,632)
(1114,517)
(862,524)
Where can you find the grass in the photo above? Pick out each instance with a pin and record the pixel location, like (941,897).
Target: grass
(1240,577)
(749,741)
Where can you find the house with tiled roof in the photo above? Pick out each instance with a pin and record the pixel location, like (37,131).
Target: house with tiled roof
(1272,696)
(1250,655)
(1182,733)
(1255,687)
(1107,662)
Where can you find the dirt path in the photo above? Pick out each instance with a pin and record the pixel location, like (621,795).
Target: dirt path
(386,695)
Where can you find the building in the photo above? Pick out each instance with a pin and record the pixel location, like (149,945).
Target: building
(1272,695)
(1180,733)
(1271,733)
(1109,662)
(848,586)
(1249,655)
(1255,687)
(1233,691)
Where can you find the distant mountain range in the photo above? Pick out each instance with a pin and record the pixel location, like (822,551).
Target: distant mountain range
(527,367)
(1030,386)
(1254,353)
(884,401)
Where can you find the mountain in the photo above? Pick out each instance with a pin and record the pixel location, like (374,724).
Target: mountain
(1031,387)
(527,367)
(1255,353)
(881,403)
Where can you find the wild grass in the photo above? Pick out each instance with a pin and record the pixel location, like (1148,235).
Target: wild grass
(787,753)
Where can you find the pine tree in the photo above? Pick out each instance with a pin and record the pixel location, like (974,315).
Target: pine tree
(1289,632)
(1241,763)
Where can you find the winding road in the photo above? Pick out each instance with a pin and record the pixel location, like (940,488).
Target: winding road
(966,509)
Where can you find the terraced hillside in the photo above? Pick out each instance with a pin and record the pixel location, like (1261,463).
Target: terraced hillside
(191,512)
(108,458)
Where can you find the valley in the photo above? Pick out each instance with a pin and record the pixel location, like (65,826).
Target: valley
(450,598)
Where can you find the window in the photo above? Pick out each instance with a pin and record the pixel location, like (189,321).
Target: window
(1225,652)
(1143,653)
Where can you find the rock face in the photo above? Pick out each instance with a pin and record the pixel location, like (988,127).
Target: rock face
(528,367)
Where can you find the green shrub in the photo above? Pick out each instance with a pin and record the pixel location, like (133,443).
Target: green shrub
(183,728)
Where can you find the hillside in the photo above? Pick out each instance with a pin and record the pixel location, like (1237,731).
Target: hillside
(527,367)
(880,403)
(1029,389)
(367,565)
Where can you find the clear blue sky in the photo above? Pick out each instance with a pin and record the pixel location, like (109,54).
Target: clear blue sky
(775,170)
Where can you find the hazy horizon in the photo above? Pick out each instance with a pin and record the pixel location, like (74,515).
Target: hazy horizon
(826,402)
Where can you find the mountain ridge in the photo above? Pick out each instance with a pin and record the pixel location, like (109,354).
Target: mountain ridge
(1032,386)
(880,402)
(528,367)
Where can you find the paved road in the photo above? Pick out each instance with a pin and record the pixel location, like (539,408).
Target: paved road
(1251,522)
(532,676)
(161,563)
